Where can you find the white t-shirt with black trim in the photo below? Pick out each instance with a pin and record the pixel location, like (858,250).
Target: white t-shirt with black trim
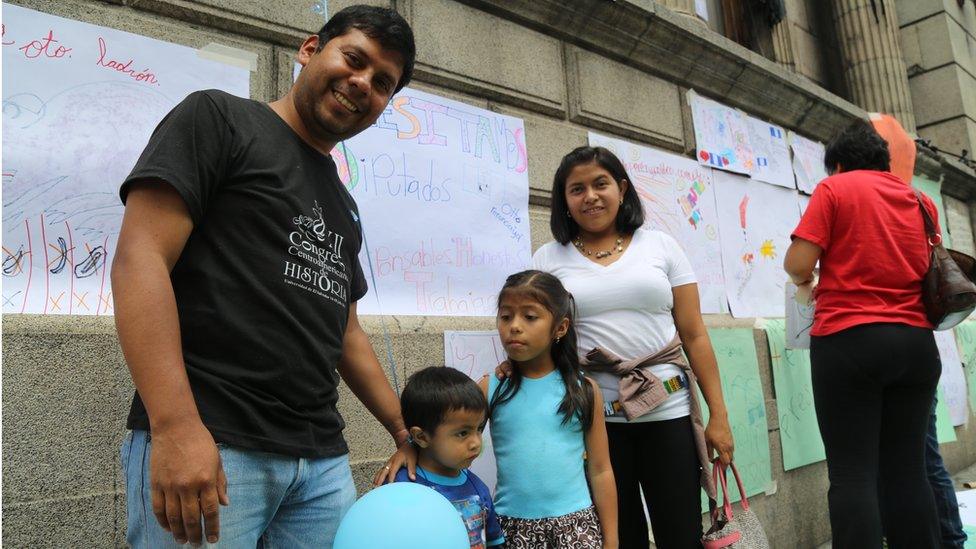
(625,307)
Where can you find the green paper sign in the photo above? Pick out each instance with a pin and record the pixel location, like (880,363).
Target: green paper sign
(933,189)
(738,365)
(799,433)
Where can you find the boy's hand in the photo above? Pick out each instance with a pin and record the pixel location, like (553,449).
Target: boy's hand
(406,454)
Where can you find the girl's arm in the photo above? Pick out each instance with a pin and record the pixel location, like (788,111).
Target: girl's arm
(698,347)
(600,473)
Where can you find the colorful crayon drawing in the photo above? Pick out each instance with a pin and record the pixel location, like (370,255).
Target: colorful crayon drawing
(772,151)
(721,135)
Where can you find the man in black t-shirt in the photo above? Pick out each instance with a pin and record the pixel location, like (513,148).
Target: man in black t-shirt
(235,281)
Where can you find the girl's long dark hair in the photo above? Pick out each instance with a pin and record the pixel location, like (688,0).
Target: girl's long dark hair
(549,292)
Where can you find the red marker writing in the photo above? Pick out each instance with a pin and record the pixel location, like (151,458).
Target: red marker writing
(125,68)
(44,47)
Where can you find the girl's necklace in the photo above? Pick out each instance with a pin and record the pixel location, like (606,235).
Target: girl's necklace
(617,247)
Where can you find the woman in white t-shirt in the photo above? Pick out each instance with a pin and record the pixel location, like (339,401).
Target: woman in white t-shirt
(636,294)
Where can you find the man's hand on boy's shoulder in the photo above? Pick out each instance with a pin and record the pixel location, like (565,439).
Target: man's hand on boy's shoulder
(404,459)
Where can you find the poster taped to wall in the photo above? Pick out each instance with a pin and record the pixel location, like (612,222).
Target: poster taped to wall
(721,135)
(79,104)
(808,162)
(443,191)
(477,353)
(755,221)
(772,152)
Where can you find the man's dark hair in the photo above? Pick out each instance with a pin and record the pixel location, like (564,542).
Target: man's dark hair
(381,24)
(433,392)
(858,147)
(630,216)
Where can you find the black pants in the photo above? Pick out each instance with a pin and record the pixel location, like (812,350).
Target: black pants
(660,458)
(873,387)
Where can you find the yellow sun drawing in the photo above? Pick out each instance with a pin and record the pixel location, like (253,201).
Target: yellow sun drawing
(767,250)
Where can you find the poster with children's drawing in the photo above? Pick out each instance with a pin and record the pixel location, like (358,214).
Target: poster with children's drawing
(738,366)
(808,162)
(678,199)
(721,135)
(772,152)
(953,380)
(443,192)
(79,104)
(755,221)
(799,433)
(477,354)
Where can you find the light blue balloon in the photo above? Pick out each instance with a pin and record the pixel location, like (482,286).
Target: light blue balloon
(402,515)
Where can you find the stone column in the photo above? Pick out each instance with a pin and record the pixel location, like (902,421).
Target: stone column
(682,7)
(873,67)
(783,44)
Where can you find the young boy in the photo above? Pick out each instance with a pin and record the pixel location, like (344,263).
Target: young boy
(445,413)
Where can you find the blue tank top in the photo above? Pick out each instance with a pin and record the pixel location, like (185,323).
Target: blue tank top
(540,459)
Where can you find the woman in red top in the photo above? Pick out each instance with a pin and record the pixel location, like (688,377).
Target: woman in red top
(874,359)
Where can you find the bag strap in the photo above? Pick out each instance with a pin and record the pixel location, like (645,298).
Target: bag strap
(935,238)
(718,474)
(742,491)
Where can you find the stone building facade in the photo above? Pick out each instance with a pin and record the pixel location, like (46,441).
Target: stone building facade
(565,67)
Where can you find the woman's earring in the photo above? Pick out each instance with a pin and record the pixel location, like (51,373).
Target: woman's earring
(621,201)
(567,214)
(557,339)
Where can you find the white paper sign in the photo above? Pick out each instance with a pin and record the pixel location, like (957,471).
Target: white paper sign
(443,191)
(799,319)
(755,221)
(772,152)
(953,380)
(808,162)
(79,104)
(678,199)
(721,135)
(477,354)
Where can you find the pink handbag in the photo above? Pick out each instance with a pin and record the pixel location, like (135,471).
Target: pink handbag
(740,531)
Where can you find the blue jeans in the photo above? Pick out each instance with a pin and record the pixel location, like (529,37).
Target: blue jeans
(275,500)
(950,525)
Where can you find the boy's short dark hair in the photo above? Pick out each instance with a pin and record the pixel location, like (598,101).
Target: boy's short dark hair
(858,147)
(433,392)
(381,24)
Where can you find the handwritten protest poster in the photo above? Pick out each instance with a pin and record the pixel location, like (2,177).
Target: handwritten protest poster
(443,192)
(933,190)
(79,104)
(477,354)
(721,135)
(772,152)
(966,338)
(738,366)
(755,221)
(953,380)
(808,162)
(678,199)
(799,433)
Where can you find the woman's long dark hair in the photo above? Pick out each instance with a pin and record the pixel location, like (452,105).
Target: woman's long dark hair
(549,292)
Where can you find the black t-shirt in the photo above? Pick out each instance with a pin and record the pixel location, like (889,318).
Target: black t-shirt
(264,283)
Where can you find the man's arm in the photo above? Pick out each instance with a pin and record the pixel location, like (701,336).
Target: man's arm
(363,374)
(185,472)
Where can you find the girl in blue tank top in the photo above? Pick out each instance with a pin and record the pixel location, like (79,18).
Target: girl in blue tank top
(545,417)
